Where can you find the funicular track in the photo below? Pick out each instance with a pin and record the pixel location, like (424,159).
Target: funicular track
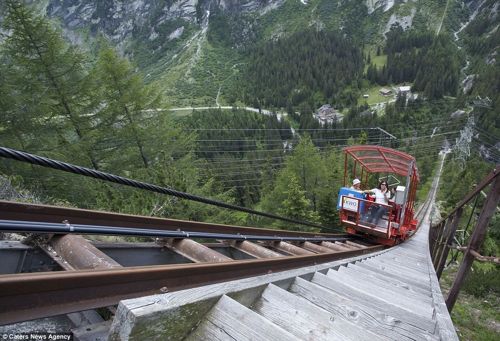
(88,278)
(85,285)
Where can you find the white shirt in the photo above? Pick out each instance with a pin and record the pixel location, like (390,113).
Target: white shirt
(381,198)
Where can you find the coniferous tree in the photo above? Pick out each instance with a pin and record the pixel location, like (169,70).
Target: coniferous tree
(296,205)
(126,102)
(53,73)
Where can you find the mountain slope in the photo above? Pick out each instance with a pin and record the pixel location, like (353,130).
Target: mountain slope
(193,47)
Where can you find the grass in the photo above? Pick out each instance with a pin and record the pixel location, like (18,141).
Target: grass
(374,96)
(379,61)
(475,318)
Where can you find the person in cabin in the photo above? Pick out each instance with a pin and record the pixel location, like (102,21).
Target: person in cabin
(382,195)
(356,185)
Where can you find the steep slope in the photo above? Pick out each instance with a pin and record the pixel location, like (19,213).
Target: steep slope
(194,47)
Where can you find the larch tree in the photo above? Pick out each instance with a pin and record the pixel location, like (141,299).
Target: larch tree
(53,75)
(127,102)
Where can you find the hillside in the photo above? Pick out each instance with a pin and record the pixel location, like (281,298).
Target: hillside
(193,48)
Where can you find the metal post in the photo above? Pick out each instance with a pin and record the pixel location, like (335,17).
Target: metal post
(433,235)
(345,170)
(449,240)
(475,241)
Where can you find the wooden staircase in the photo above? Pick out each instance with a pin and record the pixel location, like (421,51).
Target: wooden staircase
(392,295)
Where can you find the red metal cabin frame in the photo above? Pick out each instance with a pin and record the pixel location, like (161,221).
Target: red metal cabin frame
(377,159)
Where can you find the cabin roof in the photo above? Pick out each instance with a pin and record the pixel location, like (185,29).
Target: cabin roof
(377,159)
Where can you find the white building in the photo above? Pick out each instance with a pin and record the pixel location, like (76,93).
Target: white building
(327,114)
(403,90)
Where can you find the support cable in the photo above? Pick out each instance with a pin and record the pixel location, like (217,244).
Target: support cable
(68,228)
(92,173)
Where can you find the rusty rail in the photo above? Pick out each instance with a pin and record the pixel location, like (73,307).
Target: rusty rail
(54,214)
(34,295)
(93,280)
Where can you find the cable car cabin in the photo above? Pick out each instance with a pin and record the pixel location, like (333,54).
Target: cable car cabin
(388,223)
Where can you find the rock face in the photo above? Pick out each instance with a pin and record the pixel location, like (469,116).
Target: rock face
(373,5)
(119,20)
(385,5)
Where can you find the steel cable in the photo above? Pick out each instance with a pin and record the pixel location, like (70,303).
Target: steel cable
(65,228)
(70,168)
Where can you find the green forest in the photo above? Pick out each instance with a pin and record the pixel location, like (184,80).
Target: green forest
(97,111)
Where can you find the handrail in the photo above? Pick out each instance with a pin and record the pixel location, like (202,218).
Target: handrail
(485,182)
(442,234)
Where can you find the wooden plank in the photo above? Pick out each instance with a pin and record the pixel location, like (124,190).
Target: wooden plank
(408,262)
(406,256)
(423,308)
(387,271)
(390,279)
(445,325)
(391,286)
(416,248)
(359,313)
(403,251)
(403,270)
(229,320)
(372,300)
(306,320)
(151,317)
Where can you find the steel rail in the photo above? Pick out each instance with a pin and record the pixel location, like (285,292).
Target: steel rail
(67,228)
(35,295)
(54,214)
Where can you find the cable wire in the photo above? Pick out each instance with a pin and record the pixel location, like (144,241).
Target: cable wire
(70,168)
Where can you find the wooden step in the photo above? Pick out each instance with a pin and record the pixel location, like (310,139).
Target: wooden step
(384,304)
(401,252)
(230,320)
(391,279)
(406,262)
(422,308)
(306,320)
(387,271)
(400,270)
(358,313)
(400,289)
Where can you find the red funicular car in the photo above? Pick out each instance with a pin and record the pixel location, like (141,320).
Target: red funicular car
(374,164)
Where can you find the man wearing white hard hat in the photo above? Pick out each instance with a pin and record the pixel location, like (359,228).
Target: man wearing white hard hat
(356,185)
